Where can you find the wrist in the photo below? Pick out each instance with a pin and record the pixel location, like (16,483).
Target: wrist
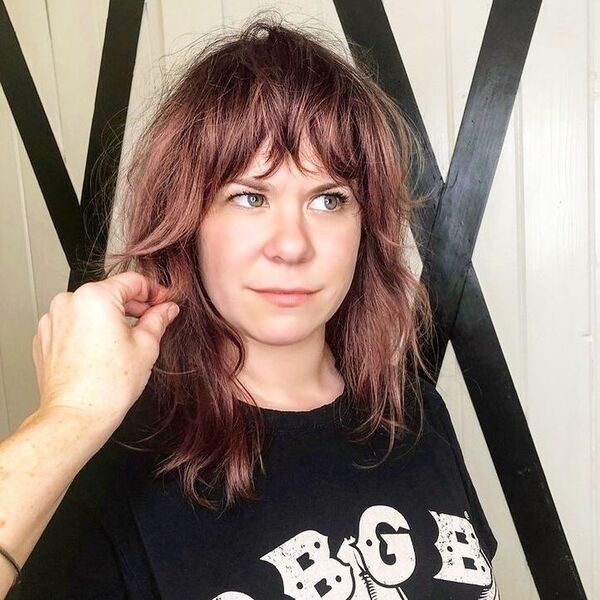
(38,463)
(98,427)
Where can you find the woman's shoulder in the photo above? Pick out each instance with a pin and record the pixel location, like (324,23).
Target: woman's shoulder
(423,404)
(432,399)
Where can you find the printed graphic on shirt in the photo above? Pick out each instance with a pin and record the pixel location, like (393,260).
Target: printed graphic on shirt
(375,563)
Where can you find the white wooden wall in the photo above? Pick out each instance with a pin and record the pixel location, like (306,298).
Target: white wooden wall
(537,255)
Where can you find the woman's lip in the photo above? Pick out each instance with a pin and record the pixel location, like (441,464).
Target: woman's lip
(286,298)
(278,291)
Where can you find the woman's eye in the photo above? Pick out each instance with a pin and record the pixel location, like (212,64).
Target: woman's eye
(242,194)
(338,202)
(337,199)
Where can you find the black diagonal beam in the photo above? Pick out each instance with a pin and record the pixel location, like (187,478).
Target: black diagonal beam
(478,146)
(519,470)
(108,125)
(79,227)
(38,139)
(446,237)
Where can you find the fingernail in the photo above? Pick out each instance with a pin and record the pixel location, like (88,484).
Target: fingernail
(173,311)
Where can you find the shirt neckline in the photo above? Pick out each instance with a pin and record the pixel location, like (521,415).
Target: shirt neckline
(325,416)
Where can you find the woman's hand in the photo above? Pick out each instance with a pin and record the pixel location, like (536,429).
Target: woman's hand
(91,367)
(89,360)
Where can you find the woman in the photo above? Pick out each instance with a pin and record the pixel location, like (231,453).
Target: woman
(289,446)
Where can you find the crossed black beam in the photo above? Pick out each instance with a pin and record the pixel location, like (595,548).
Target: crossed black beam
(79,226)
(447,231)
(445,235)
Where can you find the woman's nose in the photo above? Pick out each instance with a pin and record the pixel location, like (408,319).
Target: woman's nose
(290,238)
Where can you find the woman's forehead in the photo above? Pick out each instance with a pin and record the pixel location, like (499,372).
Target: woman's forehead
(309,160)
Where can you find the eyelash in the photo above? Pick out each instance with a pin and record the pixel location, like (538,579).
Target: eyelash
(343,198)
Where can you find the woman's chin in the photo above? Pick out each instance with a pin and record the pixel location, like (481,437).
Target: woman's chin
(278,336)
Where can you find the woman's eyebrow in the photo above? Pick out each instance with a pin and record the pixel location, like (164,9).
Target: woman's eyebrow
(263,186)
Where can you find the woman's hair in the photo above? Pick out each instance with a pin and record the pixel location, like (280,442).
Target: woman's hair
(276,83)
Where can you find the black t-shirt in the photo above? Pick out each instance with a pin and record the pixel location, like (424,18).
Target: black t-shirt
(412,528)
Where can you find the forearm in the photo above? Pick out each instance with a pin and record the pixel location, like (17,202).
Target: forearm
(38,463)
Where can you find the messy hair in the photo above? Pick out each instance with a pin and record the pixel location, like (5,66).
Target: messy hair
(276,83)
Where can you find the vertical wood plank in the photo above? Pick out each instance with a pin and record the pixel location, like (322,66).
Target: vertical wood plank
(185,25)
(555,178)
(35,262)
(18,387)
(76,51)
(594,339)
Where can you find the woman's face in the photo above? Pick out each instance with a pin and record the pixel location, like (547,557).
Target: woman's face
(285,232)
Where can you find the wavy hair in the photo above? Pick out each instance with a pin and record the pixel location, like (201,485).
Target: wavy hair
(275,82)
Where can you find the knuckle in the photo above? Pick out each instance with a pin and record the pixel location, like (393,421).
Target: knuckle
(58,299)
(87,292)
(85,289)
